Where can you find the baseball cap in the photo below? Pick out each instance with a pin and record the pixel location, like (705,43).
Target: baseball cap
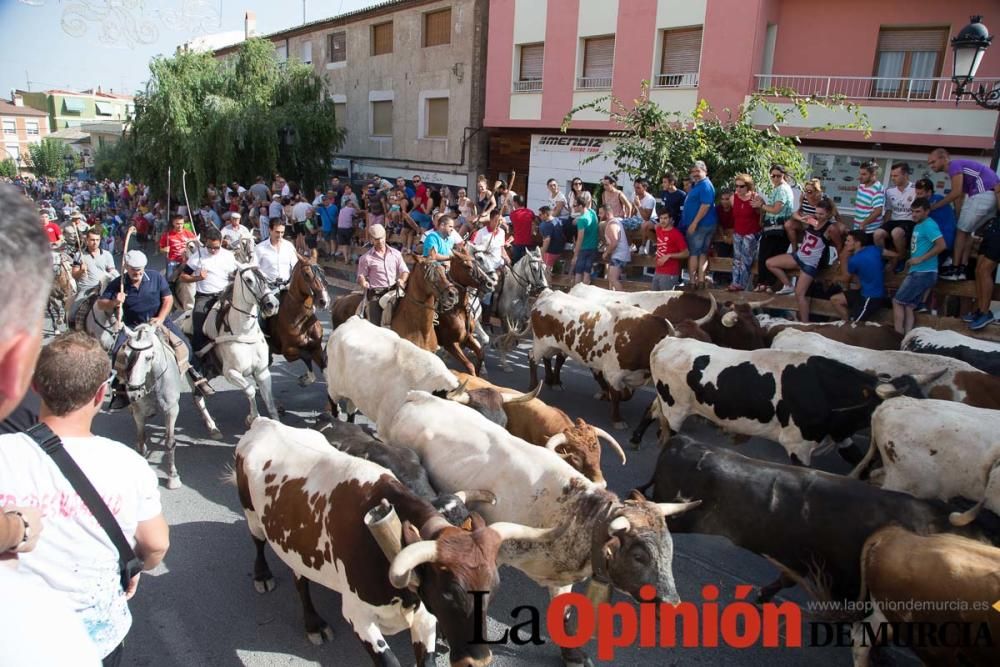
(376,232)
(135,259)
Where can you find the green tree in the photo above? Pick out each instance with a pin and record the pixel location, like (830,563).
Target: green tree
(112,161)
(653,142)
(232,119)
(49,158)
(8,168)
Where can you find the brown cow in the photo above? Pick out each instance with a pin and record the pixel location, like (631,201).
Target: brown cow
(859,334)
(919,580)
(578,443)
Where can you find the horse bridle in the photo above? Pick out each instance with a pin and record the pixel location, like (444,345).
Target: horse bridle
(261,280)
(529,284)
(133,357)
(439,291)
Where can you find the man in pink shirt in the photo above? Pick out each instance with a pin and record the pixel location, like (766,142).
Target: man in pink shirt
(380,270)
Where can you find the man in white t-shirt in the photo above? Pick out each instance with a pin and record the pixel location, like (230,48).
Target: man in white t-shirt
(898,200)
(76,558)
(643,204)
(210,272)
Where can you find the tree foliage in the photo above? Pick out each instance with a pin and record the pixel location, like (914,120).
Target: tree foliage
(8,168)
(232,120)
(112,161)
(653,142)
(48,158)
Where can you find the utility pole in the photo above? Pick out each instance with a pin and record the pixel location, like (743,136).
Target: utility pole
(27,80)
(303,12)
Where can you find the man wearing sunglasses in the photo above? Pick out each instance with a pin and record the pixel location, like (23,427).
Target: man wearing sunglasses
(209,270)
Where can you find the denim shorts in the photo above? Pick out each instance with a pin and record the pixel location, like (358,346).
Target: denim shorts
(911,292)
(664,282)
(698,242)
(585,261)
(808,270)
(633,223)
(620,263)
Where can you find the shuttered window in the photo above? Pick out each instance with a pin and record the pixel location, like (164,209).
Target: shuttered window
(598,57)
(382,119)
(681,58)
(437,117)
(382,38)
(336,47)
(281,53)
(340,114)
(907,61)
(437,28)
(532,59)
(307,52)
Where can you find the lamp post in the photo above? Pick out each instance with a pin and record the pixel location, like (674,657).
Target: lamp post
(969,47)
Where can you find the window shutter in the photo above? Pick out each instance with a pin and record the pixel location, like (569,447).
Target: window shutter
(337,47)
(532,59)
(927,39)
(598,58)
(681,51)
(340,114)
(307,52)
(437,117)
(382,119)
(437,28)
(382,39)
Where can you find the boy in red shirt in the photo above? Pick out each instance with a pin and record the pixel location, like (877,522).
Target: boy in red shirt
(671,248)
(174,242)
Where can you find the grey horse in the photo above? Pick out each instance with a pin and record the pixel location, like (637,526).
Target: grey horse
(523,282)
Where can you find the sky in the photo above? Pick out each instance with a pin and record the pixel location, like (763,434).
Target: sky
(80,44)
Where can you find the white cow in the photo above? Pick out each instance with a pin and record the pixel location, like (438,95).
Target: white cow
(938,449)
(983,354)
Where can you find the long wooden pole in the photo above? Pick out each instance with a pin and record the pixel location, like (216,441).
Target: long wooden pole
(124,276)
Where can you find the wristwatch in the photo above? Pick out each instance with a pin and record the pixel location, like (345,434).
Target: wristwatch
(27,528)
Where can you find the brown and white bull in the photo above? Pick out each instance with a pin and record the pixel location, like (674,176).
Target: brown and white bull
(960,382)
(577,442)
(983,354)
(937,449)
(802,401)
(947,582)
(309,502)
(869,335)
(625,543)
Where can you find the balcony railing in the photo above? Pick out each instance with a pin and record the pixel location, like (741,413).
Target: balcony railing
(687,80)
(939,90)
(529,86)
(593,82)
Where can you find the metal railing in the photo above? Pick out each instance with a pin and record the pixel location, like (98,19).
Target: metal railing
(686,80)
(529,86)
(938,90)
(593,82)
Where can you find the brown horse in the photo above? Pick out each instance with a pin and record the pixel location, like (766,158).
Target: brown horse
(295,332)
(427,289)
(456,325)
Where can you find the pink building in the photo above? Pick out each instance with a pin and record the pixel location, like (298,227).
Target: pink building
(893,57)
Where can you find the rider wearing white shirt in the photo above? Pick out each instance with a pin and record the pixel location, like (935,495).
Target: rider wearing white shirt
(276,257)
(210,271)
(490,240)
(234,232)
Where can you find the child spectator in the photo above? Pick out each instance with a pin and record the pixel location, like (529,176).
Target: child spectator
(671,248)
(927,243)
(553,241)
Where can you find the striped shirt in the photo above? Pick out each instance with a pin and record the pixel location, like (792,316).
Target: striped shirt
(869,198)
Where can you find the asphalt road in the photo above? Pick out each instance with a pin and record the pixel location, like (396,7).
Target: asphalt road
(199,607)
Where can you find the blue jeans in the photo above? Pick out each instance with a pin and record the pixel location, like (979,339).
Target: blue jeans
(585,261)
(421,219)
(698,241)
(911,292)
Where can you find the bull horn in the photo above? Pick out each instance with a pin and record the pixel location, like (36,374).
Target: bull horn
(477,496)
(457,392)
(705,319)
(418,553)
(762,304)
(618,525)
(517,531)
(670,509)
(730,319)
(608,438)
(384,526)
(555,441)
(523,398)
(672,331)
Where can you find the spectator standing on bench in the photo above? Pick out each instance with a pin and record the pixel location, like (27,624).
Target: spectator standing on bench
(943,216)
(671,196)
(972,186)
(617,254)
(553,240)
(926,244)
(746,232)
(671,248)
(899,198)
(777,209)
(869,202)
(807,257)
(585,247)
(698,220)
(522,220)
(865,263)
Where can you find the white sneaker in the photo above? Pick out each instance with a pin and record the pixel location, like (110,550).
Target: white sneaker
(788,289)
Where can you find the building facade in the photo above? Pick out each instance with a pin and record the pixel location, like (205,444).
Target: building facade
(893,58)
(22,126)
(66,108)
(406,78)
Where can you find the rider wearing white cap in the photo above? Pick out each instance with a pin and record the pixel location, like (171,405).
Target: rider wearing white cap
(234,232)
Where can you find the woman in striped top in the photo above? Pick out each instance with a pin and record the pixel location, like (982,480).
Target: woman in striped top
(813,192)
(808,257)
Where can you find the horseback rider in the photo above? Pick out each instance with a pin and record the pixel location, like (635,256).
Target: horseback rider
(91,266)
(490,241)
(380,270)
(234,232)
(276,257)
(74,231)
(146,298)
(210,272)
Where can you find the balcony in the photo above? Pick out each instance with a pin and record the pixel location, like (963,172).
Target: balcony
(529,86)
(687,80)
(935,90)
(593,83)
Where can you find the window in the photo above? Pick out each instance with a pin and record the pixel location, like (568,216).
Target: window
(9,127)
(437,118)
(14,151)
(281,53)
(679,62)
(437,28)
(598,62)
(74,105)
(340,114)
(907,61)
(307,52)
(382,118)
(529,75)
(336,47)
(104,109)
(31,127)
(382,38)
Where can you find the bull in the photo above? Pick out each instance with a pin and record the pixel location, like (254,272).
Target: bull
(870,335)
(983,354)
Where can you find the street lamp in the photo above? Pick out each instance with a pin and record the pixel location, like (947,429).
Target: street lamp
(969,47)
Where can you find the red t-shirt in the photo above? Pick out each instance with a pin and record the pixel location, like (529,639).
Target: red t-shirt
(521,220)
(420,198)
(175,243)
(52,231)
(725,217)
(669,241)
(746,218)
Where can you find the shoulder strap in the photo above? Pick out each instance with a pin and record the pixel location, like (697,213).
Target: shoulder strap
(128,563)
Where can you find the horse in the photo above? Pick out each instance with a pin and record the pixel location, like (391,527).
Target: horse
(244,251)
(427,289)
(238,341)
(61,295)
(456,326)
(522,283)
(295,332)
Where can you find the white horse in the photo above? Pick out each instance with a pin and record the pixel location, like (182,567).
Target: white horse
(523,282)
(184,293)
(240,345)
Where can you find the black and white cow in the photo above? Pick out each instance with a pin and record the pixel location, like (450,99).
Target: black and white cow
(983,354)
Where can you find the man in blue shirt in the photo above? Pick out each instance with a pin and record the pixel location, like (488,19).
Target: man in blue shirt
(698,220)
(438,244)
(925,245)
(944,217)
(863,262)
(328,212)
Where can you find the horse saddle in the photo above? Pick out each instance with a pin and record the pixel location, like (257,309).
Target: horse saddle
(388,303)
